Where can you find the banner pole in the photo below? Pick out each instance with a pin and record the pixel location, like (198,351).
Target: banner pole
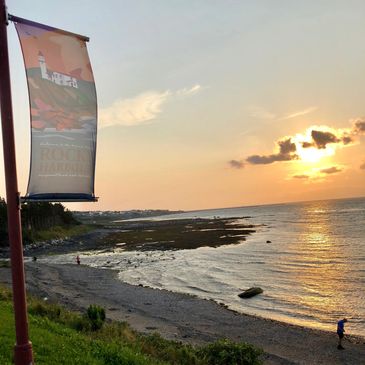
(23,354)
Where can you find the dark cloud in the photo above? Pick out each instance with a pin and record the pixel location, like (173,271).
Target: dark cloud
(236,164)
(301,176)
(287,151)
(321,139)
(331,170)
(347,139)
(265,160)
(286,147)
(359,127)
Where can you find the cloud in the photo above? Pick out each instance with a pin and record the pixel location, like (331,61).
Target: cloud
(307,144)
(299,113)
(267,159)
(132,111)
(303,176)
(286,146)
(286,152)
(331,170)
(321,138)
(141,109)
(189,92)
(359,126)
(362,166)
(346,139)
(260,113)
(236,164)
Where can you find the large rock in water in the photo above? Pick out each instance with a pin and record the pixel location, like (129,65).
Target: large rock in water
(251,292)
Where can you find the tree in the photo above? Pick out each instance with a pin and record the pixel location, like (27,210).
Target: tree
(36,216)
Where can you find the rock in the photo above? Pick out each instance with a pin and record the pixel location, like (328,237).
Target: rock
(250,292)
(268,241)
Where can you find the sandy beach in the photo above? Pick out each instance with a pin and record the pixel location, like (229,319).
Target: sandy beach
(182,317)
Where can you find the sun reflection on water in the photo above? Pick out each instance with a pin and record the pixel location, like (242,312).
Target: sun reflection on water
(322,279)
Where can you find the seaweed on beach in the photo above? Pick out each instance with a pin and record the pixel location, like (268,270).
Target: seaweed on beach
(178,234)
(152,235)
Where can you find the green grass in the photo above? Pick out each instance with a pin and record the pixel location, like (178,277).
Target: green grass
(5,263)
(55,343)
(58,232)
(60,336)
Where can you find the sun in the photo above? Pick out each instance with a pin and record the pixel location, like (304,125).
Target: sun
(312,154)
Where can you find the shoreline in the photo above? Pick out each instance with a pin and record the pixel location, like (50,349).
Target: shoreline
(182,317)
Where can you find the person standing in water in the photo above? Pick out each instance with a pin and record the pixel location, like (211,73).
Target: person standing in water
(78,260)
(340,332)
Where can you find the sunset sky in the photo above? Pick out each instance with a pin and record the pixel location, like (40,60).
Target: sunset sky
(208,104)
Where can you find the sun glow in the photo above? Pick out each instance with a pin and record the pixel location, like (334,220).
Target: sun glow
(313,155)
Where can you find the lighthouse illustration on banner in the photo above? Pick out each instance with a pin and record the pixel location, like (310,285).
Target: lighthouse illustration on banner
(55,77)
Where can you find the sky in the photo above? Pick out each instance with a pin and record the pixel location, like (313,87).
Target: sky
(208,104)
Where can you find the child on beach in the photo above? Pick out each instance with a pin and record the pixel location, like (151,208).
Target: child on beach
(340,332)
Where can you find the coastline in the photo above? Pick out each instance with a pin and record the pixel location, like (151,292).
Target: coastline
(182,317)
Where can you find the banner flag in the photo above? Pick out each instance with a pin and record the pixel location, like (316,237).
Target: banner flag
(63,110)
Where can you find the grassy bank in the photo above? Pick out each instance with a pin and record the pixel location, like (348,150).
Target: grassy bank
(60,336)
(59,232)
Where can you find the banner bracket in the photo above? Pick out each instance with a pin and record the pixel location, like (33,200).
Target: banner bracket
(25,199)
(16,19)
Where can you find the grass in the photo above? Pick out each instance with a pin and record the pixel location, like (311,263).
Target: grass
(60,336)
(58,232)
(4,263)
(56,343)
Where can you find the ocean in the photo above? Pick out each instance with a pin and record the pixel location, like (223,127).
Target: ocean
(312,271)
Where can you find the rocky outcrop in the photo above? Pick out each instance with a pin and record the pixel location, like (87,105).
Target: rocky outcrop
(250,292)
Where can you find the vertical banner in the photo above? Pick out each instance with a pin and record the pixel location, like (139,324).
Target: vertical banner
(62,99)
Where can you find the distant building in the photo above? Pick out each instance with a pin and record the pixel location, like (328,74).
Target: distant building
(55,77)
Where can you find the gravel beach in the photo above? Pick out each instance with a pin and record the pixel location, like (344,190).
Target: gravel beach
(182,317)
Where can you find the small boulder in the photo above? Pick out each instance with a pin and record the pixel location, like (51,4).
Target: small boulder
(268,241)
(250,292)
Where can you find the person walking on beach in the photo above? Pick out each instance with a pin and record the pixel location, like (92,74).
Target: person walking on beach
(340,332)
(78,260)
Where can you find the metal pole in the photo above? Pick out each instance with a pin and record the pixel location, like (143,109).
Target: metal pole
(23,348)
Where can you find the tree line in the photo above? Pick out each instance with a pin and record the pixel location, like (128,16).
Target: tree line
(36,216)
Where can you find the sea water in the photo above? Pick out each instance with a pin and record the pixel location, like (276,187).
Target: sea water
(309,258)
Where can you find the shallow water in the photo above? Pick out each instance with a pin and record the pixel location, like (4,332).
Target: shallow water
(312,272)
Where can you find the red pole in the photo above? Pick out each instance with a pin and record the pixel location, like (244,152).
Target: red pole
(23,348)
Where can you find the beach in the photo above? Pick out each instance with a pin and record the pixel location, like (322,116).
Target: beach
(184,317)
(308,258)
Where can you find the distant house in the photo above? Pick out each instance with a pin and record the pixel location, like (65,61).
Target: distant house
(55,77)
